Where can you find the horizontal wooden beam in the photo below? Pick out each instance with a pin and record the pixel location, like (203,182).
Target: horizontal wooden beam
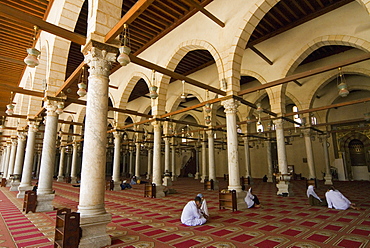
(6,87)
(306,74)
(15,61)
(174,75)
(206,12)
(139,7)
(71,79)
(30,21)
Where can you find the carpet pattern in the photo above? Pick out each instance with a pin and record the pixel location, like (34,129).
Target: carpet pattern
(150,222)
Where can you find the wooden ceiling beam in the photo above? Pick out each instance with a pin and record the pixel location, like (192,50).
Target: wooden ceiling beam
(206,12)
(15,61)
(173,74)
(306,74)
(139,7)
(256,51)
(74,76)
(29,21)
(21,90)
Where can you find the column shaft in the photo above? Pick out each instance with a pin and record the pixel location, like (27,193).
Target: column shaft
(309,153)
(61,164)
(12,157)
(116,160)
(204,162)
(74,163)
(211,156)
(137,160)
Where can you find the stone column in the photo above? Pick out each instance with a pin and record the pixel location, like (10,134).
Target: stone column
(124,170)
(74,162)
(247,158)
(328,178)
(196,176)
(270,170)
(204,161)
(157,159)
(309,153)
(149,164)
(61,164)
(38,163)
(283,180)
(211,159)
(68,161)
(231,107)
(18,165)
(173,161)
(45,194)
(167,179)
(93,216)
(137,160)
(3,155)
(26,182)
(13,150)
(7,158)
(116,161)
(131,162)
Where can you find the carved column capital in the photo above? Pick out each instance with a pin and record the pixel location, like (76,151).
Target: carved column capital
(33,126)
(99,61)
(231,106)
(22,136)
(51,107)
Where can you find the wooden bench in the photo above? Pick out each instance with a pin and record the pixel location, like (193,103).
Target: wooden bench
(244,182)
(3,182)
(228,200)
(150,190)
(29,201)
(209,185)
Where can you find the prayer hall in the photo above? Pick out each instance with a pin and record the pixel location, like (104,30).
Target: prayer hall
(114,114)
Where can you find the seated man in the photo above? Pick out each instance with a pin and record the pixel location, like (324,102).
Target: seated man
(252,200)
(203,207)
(337,200)
(313,198)
(125,185)
(191,215)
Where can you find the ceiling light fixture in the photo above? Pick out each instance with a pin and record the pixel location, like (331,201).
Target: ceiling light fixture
(32,58)
(124,50)
(341,84)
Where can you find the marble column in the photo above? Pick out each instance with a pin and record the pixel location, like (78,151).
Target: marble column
(157,173)
(196,176)
(137,160)
(231,107)
(149,164)
(7,158)
(204,161)
(247,158)
(38,164)
(328,178)
(3,155)
(116,161)
(13,151)
(26,181)
(45,194)
(211,159)
(124,158)
(131,162)
(61,164)
(270,169)
(283,180)
(93,216)
(68,161)
(167,179)
(309,153)
(74,162)
(173,161)
(18,165)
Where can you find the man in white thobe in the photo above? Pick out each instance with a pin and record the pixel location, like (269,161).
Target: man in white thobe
(337,200)
(203,207)
(191,215)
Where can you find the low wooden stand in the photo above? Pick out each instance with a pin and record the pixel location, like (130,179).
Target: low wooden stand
(228,200)
(3,182)
(208,185)
(29,201)
(150,190)
(245,181)
(67,229)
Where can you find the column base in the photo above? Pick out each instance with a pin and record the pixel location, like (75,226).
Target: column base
(45,203)
(284,188)
(269,179)
(22,190)
(167,181)
(117,186)
(216,185)
(94,230)
(174,178)
(73,179)
(159,191)
(196,176)
(14,185)
(147,177)
(60,179)
(240,202)
(328,180)
(203,178)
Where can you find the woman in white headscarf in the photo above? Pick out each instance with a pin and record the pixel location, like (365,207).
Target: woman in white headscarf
(252,200)
(313,198)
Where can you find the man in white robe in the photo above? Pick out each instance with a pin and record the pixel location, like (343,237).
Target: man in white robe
(191,215)
(203,207)
(337,200)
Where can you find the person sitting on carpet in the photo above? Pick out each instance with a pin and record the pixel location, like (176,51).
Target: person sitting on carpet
(337,200)
(313,198)
(252,200)
(191,215)
(133,180)
(203,207)
(125,185)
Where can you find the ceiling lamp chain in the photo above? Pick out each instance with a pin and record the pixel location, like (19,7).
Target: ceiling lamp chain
(32,58)
(124,50)
(341,84)
(10,106)
(82,86)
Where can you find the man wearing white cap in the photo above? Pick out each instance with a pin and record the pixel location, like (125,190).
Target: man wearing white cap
(203,207)
(191,215)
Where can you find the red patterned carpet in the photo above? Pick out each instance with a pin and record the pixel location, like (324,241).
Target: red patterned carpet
(145,222)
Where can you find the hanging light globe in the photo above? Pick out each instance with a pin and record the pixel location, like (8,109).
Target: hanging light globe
(60,107)
(208,120)
(9,109)
(153,92)
(343,91)
(208,108)
(123,57)
(81,89)
(32,58)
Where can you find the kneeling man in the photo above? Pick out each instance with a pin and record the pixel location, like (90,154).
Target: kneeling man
(191,215)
